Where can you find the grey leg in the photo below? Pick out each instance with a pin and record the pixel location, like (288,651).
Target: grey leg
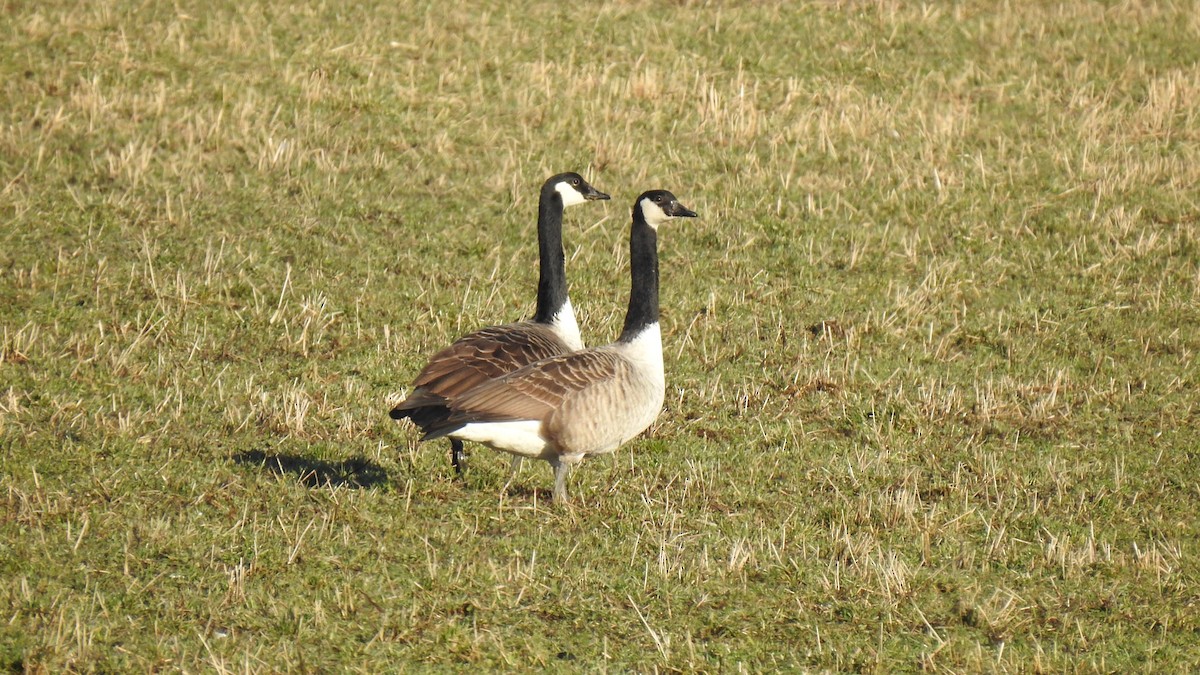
(512,474)
(561,469)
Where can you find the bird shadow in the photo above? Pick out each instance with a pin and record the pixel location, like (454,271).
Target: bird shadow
(354,473)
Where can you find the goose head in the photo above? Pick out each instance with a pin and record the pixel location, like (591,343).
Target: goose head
(574,189)
(658,206)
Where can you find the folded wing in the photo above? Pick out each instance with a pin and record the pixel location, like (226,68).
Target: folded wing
(533,392)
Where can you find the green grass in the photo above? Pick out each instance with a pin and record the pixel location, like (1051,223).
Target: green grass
(930,348)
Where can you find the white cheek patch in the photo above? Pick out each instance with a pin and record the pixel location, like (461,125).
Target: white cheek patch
(570,195)
(653,214)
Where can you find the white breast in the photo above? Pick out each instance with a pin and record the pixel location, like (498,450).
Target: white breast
(644,352)
(567,328)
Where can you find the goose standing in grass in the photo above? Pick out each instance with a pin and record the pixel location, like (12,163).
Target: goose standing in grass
(568,407)
(493,351)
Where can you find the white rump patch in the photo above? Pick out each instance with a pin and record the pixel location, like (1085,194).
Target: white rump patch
(653,213)
(522,437)
(567,328)
(570,195)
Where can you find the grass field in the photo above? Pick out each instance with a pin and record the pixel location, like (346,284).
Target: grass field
(932,391)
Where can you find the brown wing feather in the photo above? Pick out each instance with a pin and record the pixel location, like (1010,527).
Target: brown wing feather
(535,391)
(481,356)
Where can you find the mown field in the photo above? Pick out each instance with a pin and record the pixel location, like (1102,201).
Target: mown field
(930,348)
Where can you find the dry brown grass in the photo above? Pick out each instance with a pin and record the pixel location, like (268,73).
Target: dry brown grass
(930,368)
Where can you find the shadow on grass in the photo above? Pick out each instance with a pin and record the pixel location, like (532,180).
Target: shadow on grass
(528,492)
(354,473)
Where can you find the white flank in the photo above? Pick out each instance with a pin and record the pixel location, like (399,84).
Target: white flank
(570,195)
(653,213)
(567,328)
(522,437)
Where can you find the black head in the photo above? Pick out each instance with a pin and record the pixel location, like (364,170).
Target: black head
(659,206)
(573,189)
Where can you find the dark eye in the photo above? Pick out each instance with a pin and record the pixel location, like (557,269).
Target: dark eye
(575,182)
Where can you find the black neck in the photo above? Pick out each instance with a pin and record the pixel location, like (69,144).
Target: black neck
(552,278)
(643,266)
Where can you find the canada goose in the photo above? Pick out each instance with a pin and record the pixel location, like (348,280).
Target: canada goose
(571,406)
(493,351)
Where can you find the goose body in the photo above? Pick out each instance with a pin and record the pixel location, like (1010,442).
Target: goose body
(572,406)
(494,351)
(568,407)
